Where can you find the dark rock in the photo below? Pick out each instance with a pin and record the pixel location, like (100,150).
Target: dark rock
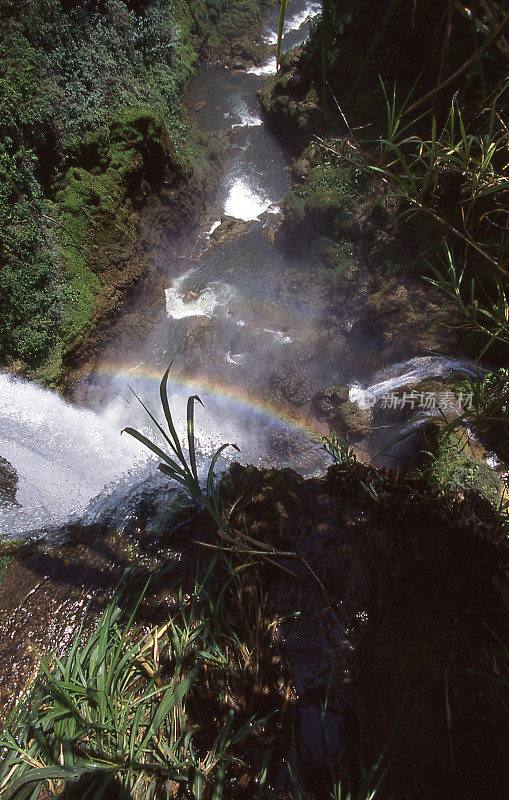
(8,483)
(333,406)
(289,382)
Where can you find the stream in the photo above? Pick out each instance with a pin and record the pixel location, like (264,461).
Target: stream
(238,337)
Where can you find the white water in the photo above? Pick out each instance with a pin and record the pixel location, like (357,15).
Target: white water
(243,202)
(182,302)
(415,370)
(63,455)
(269,68)
(407,373)
(213,227)
(295,22)
(247,119)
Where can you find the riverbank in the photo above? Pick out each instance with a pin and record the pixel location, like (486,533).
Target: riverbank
(100,161)
(390,620)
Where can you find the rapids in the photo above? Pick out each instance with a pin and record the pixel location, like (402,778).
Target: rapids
(235,335)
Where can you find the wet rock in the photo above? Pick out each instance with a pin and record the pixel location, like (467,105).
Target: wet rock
(250,339)
(8,483)
(191,296)
(300,169)
(353,421)
(203,342)
(333,406)
(231,228)
(289,382)
(402,403)
(326,402)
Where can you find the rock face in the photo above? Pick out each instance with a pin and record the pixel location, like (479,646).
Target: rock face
(290,383)
(398,570)
(8,483)
(360,265)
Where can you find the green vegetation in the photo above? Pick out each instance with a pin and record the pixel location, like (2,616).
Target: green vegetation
(121,714)
(442,149)
(424,118)
(339,448)
(178,468)
(456,464)
(92,123)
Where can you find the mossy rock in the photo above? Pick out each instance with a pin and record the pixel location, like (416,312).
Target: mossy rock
(337,257)
(456,461)
(333,406)
(289,383)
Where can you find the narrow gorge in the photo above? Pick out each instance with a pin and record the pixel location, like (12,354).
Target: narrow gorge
(199,209)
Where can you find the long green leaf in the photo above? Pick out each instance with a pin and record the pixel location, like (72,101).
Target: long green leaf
(282,15)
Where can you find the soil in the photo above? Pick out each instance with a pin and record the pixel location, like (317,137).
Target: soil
(390,612)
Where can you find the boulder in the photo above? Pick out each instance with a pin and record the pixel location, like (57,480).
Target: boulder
(289,382)
(333,406)
(231,228)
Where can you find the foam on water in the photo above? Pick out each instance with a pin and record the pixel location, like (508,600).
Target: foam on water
(247,119)
(269,68)
(295,22)
(243,202)
(213,227)
(63,455)
(280,336)
(182,303)
(235,358)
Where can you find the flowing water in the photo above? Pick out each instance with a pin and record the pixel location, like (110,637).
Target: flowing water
(253,346)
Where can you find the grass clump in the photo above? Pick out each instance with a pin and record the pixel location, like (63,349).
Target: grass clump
(119,715)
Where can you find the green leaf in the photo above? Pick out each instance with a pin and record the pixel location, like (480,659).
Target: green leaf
(282,15)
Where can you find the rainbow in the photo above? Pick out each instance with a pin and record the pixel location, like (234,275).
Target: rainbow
(204,385)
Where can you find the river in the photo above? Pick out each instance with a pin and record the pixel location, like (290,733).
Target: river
(251,345)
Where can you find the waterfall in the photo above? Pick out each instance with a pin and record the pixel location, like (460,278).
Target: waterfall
(63,455)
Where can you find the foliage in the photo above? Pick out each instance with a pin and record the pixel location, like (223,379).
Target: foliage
(177,467)
(113,715)
(185,472)
(444,150)
(68,72)
(339,448)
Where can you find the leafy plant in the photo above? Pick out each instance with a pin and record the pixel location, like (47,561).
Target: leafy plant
(184,471)
(339,448)
(180,468)
(112,717)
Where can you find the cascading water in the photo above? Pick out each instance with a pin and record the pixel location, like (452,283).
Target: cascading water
(254,351)
(63,455)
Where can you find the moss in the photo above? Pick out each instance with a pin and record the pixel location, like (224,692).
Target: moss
(456,463)
(92,124)
(325,201)
(339,258)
